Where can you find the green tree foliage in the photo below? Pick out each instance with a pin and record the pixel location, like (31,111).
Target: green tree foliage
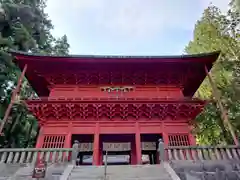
(218,31)
(24,26)
(235,5)
(61,46)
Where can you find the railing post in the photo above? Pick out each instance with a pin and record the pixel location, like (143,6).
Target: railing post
(161,150)
(75,151)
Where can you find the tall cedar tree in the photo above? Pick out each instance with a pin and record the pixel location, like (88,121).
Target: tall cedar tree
(24,26)
(218,31)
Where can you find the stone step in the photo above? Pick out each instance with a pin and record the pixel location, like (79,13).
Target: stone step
(124,172)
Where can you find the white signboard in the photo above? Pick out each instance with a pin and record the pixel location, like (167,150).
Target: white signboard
(149,146)
(116,146)
(85,147)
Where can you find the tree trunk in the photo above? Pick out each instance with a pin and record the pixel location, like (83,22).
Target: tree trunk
(223,111)
(35,139)
(29,135)
(225,133)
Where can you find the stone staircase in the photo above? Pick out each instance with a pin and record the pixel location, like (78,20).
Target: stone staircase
(124,172)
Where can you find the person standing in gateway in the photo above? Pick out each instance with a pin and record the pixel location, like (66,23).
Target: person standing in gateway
(75,152)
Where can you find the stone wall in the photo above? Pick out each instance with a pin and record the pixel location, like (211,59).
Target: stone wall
(207,170)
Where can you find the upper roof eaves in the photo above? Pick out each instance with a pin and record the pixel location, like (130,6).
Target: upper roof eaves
(193,57)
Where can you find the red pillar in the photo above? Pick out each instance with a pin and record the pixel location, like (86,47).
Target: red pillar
(165,138)
(96,147)
(101,152)
(165,135)
(192,140)
(133,153)
(67,144)
(68,137)
(138,145)
(40,138)
(138,148)
(100,158)
(165,141)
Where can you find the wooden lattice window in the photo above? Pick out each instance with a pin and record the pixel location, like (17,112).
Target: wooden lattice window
(178,140)
(53,141)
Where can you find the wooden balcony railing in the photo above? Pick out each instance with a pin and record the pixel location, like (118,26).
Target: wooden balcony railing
(115,98)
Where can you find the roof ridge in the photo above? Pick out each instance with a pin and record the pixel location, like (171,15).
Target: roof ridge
(15,53)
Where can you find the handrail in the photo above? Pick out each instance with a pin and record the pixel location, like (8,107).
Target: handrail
(31,155)
(220,152)
(34,149)
(169,153)
(202,147)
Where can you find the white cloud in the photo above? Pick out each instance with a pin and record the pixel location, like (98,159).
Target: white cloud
(130,19)
(142,18)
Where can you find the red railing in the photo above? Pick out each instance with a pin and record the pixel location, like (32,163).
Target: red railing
(116,98)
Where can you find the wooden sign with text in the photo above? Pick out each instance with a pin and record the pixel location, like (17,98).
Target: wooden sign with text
(39,170)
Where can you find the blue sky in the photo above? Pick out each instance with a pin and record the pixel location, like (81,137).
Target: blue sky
(127,27)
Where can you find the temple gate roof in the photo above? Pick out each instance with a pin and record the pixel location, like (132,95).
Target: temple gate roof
(190,67)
